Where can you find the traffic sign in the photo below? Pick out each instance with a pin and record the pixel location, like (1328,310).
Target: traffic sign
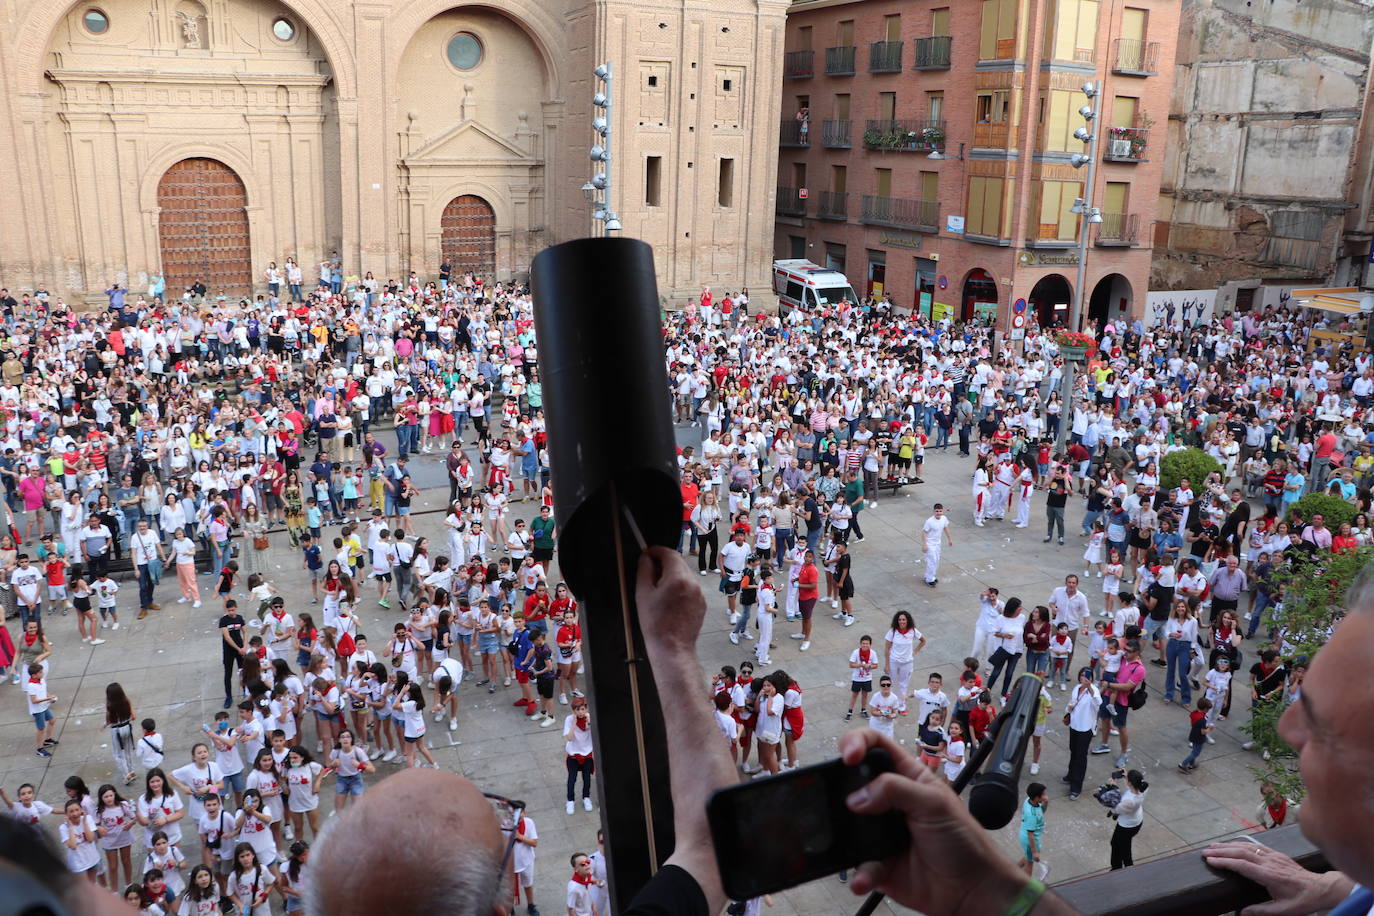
(1018,321)
(1019,306)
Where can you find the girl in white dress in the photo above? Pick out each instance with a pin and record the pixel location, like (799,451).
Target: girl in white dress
(1111,582)
(1092,556)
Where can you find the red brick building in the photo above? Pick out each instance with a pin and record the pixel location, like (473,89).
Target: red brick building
(926,149)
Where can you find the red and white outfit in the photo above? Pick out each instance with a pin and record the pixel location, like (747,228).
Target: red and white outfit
(982,495)
(1002,479)
(1025,485)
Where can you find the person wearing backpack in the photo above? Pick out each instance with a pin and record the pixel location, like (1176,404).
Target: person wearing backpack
(1122,692)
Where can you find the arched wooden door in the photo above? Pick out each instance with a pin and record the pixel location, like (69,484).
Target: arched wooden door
(468,236)
(203,228)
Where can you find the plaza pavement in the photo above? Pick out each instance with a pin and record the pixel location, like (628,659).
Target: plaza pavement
(169,664)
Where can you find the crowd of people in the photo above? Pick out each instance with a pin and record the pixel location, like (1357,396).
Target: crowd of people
(184,431)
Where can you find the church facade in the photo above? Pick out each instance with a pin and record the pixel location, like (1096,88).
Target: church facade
(208,139)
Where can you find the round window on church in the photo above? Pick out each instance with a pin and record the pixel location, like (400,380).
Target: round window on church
(96,22)
(464,51)
(284,29)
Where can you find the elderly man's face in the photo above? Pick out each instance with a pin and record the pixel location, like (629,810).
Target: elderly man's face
(1336,750)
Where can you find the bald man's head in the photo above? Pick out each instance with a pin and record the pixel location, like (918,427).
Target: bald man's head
(420,841)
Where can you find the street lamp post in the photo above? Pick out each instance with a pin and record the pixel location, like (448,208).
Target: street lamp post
(600,154)
(1089,216)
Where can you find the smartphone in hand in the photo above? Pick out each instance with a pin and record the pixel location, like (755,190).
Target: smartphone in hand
(775,833)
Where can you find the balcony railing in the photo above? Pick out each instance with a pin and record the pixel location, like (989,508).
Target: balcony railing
(901,213)
(1134,57)
(991,134)
(833,205)
(1125,144)
(904,135)
(839,61)
(1117,230)
(1182,884)
(835,134)
(932,53)
(790,202)
(792,132)
(885,57)
(799,64)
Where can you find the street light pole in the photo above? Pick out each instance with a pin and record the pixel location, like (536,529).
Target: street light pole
(1088,215)
(601,152)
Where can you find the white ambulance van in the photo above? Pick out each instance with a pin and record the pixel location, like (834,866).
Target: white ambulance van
(803,285)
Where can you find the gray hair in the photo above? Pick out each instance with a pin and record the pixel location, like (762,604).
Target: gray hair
(458,879)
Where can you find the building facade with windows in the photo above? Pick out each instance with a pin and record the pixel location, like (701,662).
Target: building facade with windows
(925,149)
(207,138)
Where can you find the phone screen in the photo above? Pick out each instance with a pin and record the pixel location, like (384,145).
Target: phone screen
(788,829)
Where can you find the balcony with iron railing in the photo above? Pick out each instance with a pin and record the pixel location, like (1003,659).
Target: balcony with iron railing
(799,64)
(932,53)
(885,57)
(835,133)
(792,132)
(1135,57)
(833,205)
(790,202)
(904,135)
(1117,230)
(1125,144)
(901,213)
(839,61)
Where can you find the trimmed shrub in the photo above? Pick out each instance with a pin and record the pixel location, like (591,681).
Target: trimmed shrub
(1193,463)
(1335,510)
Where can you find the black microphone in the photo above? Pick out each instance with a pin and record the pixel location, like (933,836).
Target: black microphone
(995,794)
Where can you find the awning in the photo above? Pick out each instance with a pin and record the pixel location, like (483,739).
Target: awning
(1341,300)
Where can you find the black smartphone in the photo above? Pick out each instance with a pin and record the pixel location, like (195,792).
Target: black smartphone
(788,829)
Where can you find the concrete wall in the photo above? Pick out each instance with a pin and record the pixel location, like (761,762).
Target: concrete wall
(1266,118)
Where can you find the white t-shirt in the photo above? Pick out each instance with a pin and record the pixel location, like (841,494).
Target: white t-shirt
(934,529)
(955,749)
(301,782)
(524,853)
(451,667)
(34,813)
(930,700)
(882,712)
(902,644)
(37,693)
(581,743)
(862,675)
(165,806)
(85,856)
(244,885)
(26,581)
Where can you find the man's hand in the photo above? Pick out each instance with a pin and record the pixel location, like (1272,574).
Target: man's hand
(944,839)
(669,599)
(1295,890)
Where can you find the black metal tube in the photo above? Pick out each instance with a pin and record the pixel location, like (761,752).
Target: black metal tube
(612,454)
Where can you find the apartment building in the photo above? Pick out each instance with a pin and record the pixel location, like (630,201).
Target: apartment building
(926,149)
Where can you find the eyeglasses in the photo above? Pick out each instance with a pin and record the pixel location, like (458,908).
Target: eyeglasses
(508,813)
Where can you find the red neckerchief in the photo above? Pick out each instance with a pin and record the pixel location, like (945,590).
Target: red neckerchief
(865,655)
(1278,812)
(30,640)
(588,881)
(36,680)
(584,724)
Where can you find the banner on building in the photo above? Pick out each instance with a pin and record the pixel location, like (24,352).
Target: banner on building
(1179,308)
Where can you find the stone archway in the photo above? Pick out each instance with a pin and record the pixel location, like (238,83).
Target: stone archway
(1050,298)
(978,298)
(203,228)
(467,236)
(1111,299)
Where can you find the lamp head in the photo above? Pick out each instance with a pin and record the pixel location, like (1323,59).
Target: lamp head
(612,224)
(1089,89)
(600,100)
(1083,134)
(603,72)
(600,125)
(599,154)
(1087,113)
(1078,160)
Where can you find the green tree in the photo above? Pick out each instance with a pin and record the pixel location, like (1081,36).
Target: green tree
(1315,594)
(1334,510)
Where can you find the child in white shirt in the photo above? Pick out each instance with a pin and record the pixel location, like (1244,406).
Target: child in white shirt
(767,611)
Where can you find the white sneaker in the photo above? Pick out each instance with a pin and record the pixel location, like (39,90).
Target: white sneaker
(97,642)
(115,625)
(703,572)
(85,639)
(438,715)
(747,635)
(792,635)
(319,747)
(181,601)
(834,602)
(563,699)
(734,637)
(195,603)
(849,620)
(586,803)
(570,807)
(452,725)
(1035,768)
(289,832)
(578,693)
(507,682)
(104,624)
(839,616)
(1099,574)
(1211,740)
(806,644)
(389,756)
(734,618)
(376,752)
(548,720)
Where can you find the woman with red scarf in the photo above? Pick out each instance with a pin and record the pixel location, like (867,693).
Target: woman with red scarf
(577,738)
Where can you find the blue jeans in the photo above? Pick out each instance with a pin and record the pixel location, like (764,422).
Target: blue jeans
(743,617)
(1001,658)
(1257,613)
(1179,654)
(813,538)
(145,586)
(1036,662)
(1092,516)
(1197,750)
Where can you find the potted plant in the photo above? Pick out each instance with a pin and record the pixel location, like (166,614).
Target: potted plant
(933,137)
(1074,345)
